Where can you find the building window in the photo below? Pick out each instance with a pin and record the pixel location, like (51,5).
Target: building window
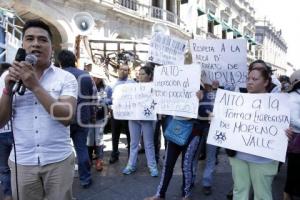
(155,3)
(210,26)
(184,1)
(259,38)
(224,34)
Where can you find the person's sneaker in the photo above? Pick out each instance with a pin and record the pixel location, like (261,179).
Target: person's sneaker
(154,198)
(99,165)
(207,190)
(230,195)
(86,185)
(113,159)
(154,172)
(128,170)
(186,198)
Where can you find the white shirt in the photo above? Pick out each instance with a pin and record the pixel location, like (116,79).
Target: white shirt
(40,139)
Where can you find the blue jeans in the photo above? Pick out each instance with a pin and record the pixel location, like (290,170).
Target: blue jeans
(79,137)
(210,165)
(6,141)
(138,128)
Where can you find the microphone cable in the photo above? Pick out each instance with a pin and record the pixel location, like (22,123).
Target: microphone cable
(14,146)
(31,58)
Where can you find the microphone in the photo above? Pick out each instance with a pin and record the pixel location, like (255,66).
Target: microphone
(18,86)
(32,59)
(20,56)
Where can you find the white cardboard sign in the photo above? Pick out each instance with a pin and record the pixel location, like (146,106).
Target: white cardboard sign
(251,123)
(222,60)
(166,50)
(134,101)
(175,90)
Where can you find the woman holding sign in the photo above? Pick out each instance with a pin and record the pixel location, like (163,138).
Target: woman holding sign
(187,146)
(249,169)
(136,129)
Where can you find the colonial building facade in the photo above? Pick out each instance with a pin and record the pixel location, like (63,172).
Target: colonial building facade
(273,48)
(224,19)
(121,23)
(128,24)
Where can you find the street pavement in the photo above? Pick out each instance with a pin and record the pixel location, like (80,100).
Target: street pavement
(111,184)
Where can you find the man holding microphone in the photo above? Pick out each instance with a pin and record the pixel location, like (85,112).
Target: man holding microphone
(40,120)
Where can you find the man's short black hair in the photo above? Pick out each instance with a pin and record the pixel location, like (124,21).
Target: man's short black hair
(36,23)
(66,58)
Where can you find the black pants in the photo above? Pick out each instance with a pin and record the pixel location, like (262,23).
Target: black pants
(188,155)
(160,124)
(117,126)
(292,184)
(157,135)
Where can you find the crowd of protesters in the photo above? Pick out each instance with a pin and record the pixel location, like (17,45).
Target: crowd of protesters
(43,144)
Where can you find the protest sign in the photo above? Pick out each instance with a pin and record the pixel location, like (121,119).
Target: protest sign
(166,50)
(175,90)
(222,60)
(251,123)
(133,101)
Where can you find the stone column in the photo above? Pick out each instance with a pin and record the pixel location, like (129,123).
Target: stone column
(164,7)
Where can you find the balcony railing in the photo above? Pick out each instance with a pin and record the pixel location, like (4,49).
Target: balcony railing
(131,4)
(171,16)
(156,12)
(134,7)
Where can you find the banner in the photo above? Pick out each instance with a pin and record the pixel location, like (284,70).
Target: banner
(222,60)
(251,123)
(175,90)
(133,101)
(166,50)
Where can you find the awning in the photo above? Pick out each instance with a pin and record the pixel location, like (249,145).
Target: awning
(236,33)
(253,42)
(248,38)
(213,18)
(226,27)
(200,11)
